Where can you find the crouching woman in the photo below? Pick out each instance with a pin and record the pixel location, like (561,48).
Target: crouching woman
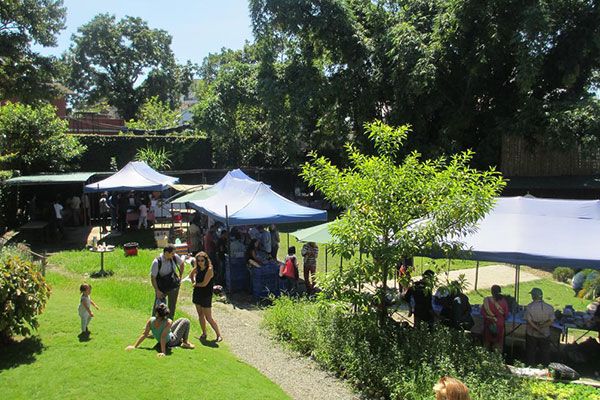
(165,331)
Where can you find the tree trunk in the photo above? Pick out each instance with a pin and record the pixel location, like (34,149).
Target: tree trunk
(383,305)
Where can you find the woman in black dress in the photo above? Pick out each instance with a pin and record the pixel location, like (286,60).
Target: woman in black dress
(202,277)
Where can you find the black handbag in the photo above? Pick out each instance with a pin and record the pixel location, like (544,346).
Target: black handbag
(168,282)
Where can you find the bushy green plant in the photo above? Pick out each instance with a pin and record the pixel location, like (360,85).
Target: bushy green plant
(159,159)
(393,362)
(23,295)
(563,274)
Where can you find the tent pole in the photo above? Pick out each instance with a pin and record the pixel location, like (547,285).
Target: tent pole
(325,258)
(341,263)
(288,240)
(517,283)
(476,274)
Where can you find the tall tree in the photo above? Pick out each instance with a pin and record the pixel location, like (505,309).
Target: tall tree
(25,74)
(393,210)
(462,73)
(33,139)
(154,115)
(124,61)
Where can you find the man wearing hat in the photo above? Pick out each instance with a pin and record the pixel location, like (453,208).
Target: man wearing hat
(539,316)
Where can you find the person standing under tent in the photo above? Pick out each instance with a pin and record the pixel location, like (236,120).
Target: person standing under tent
(418,296)
(113,203)
(275,239)
(539,316)
(494,311)
(265,240)
(143,216)
(310,252)
(58,217)
(104,209)
(87,210)
(76,209)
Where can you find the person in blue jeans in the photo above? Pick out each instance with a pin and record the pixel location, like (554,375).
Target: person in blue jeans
(165,331)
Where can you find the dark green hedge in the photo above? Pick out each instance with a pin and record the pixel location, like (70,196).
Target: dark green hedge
(188,152)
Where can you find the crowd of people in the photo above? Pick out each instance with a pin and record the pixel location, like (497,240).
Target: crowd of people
(113,209)
(449,306)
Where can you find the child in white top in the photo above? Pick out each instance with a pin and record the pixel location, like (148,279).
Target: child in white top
(85,311)
(143,218)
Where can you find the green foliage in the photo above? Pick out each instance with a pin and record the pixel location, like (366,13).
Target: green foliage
(24,73)
(559,391)
(188,152)
(23,295)
(563,274)
(155,114)
(462,73)
(591,288)
(392,363)
(159,159)
(108,59)
(394,210)
(33,139)
(53,361)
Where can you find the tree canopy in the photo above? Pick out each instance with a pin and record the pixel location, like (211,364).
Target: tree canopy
(25,74)
(462,73)
(33,139)
(155,114)
(394,210)
(125,62)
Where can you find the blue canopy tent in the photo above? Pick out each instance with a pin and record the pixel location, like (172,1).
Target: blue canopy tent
(136,175)
(247,202)
(537,232)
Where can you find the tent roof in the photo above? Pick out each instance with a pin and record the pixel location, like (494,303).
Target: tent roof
(205,192)
(539,232)
(250,202)
(52,179)
(318,234)
(136,175)
(200,194)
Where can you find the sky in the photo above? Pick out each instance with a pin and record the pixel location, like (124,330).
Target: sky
(198,27)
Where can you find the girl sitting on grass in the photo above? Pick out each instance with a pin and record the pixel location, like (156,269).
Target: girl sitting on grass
(165,331)
(85,310)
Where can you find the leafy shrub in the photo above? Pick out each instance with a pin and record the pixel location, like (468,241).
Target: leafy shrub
(393,362)
(23,294)
(563,274)
(591,287)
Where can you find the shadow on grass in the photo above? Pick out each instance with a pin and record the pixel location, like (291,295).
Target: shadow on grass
(145,238)
(19,353)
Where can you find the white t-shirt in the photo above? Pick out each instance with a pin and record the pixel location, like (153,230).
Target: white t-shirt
(167,266)
(143,211)
(75,203)
(58,210)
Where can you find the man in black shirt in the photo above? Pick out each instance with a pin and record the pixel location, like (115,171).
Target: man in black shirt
(419,298)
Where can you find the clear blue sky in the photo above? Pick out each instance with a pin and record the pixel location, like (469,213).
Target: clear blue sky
(198,27)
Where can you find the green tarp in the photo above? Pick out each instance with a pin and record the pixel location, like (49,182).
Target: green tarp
(318,234)
(52,179)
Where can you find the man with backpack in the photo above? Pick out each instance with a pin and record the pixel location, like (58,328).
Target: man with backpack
(165,273)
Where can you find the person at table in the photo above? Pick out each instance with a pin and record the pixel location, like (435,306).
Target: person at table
(539,316)
(236,246)
(265,241)
(165,331)
(456,308)
(164,268)
(253,257)
(418,296)
(202,275)
(494,312)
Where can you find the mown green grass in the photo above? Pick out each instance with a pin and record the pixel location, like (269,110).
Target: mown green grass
(56,365)
(556,294)
(333,261)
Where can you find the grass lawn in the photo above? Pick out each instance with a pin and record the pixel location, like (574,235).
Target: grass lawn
(55,364)
(333,261)
(556,294)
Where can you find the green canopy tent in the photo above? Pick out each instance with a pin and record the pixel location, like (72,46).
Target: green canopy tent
(318,234)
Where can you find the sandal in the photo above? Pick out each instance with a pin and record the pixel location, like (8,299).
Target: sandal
(187,346)
(219,339)
(202,337)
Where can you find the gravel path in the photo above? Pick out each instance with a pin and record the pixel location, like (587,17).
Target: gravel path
(299,377)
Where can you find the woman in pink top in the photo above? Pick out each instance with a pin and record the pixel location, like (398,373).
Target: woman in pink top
(494,311)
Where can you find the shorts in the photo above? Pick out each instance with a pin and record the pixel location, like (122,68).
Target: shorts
(202,296)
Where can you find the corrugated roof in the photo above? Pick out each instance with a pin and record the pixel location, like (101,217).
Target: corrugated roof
(52,179)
